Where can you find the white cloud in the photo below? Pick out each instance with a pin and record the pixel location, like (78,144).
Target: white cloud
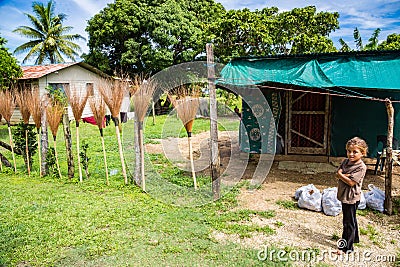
(91,7)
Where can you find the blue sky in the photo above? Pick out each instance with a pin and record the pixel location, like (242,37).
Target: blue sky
(367,15)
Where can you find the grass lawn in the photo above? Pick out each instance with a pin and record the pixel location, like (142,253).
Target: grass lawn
(47,221)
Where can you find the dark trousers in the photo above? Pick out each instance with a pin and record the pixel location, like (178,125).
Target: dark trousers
(350,226)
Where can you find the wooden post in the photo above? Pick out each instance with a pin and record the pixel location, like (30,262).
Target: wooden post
(389,159)
(68,144)
(213,124)
(44,143)
(138,158)
(153,108)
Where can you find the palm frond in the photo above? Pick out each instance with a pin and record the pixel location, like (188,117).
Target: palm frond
(357,39)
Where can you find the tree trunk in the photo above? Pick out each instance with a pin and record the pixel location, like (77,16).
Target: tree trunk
(8,147)
(137,175)
(44,144)
(215,172)
(389,160)
(5,161)
(68,144)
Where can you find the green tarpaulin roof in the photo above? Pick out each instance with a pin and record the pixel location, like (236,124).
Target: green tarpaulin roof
(377,69)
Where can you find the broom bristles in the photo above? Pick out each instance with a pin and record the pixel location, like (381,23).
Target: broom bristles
(98,108)
(36,106)
(142,98)
(24,99)
(113,92)
(186,104)
(77,101)
(54,112)
(7,104)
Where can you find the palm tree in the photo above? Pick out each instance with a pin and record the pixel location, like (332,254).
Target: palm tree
(49,38)
(372,44)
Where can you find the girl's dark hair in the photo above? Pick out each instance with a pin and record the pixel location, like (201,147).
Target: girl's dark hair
(358,142)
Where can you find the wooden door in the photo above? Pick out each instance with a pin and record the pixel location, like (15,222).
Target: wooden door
(307,123)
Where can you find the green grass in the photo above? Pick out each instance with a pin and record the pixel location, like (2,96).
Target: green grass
(373,235)
(287,204)
(170,126)
(48,221)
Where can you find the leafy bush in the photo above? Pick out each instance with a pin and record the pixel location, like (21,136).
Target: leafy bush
(20,142)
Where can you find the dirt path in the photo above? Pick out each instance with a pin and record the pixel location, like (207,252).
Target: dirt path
(299,229)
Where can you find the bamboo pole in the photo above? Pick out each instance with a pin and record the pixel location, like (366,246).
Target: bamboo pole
(26,102)
(56,154)
(78,152)
(39,151)
(186,108)
(104,155)
(121,155)
(113,92)
(55,111)
(142,157)
(388,209)
(98,108)
(191,161)
(27,152)
(215,161)
(143,94)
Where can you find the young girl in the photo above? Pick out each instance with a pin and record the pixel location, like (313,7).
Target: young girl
(350,176)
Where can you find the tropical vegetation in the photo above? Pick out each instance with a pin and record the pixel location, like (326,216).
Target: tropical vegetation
(49,38)
(9,68)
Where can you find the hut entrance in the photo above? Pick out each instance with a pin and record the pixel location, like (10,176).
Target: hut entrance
(307,121)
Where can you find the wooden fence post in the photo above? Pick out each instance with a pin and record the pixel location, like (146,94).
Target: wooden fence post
(389,159)
(213,124)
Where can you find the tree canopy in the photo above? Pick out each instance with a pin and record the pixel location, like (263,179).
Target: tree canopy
(392,42)
(9,68)
(268,31)
(49,38)
(146,35)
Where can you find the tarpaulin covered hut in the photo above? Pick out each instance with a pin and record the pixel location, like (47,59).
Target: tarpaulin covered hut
(318,101)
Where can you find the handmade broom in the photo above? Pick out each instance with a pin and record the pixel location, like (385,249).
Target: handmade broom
(98,108)
(35,107)
(142,99)
(77,101)
(186,104)
(24,97)
(113,92)
(54,112)
(7,106)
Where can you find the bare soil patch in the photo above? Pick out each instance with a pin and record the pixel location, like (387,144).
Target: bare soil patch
(302,229)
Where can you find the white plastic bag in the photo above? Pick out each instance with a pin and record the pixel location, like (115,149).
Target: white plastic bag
(310,199)
(301,189)
(375,198)
(330,204)
(363,202)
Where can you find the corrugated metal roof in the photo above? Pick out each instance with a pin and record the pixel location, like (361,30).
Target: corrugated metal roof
(38,71)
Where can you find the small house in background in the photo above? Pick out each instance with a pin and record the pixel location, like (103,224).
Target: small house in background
(75,76)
